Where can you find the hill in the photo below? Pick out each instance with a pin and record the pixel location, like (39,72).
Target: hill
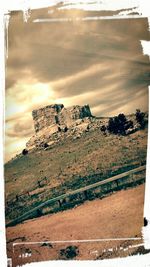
(71,149)
(68,165)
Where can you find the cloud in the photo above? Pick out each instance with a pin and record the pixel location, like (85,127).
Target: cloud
(13,146)
(44,49)
(95,62)
(22,128)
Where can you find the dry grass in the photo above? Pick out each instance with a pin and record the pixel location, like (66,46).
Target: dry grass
(70,165)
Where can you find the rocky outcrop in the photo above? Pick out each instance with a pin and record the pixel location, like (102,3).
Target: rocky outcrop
(55,121)
(46,117)
(57,115)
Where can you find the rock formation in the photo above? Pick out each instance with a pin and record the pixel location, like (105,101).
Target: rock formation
(46,117)
(55,122)
(57,115)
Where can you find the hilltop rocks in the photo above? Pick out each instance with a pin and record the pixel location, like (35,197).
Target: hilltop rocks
(46,117)
(55,122)
(57,115)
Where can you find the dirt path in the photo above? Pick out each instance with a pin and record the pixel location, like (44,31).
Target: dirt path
(118,215)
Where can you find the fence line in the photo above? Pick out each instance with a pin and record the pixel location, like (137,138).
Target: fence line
(80,190)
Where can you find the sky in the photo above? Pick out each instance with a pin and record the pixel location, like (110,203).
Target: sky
(95,62)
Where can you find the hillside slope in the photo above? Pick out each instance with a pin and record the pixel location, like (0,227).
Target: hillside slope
(68,165)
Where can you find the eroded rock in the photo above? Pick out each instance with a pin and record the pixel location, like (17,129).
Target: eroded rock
(53,122)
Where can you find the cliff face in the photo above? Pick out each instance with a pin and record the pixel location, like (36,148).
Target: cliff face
(56,119)
(45,117)
(57,115)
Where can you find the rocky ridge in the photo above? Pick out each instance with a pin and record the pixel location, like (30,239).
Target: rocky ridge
(54,123)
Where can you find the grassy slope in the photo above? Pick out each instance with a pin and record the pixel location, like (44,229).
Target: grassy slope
(70,165)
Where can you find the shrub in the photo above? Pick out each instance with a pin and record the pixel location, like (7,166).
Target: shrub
(119,124)
(69,252)
(103,129)
(140,118)
(45,145)
(24,151)
(65,129)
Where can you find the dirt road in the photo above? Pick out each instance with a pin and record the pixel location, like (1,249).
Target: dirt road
(118,215)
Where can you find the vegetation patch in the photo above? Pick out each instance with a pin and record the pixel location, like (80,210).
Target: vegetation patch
(68,253)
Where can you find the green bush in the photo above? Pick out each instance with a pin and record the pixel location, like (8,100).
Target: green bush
(119,124)
(140,118)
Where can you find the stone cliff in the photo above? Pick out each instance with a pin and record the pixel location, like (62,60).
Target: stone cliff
(57,116)
(55,122)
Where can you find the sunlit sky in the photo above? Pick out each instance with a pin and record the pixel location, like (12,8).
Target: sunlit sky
(97,62)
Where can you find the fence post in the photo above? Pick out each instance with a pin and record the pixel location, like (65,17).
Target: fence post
(85,194)
(59,202)
(64,201)
(117,183)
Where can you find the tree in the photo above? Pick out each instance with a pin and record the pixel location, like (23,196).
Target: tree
(119,124)
(129,124)
(140,118)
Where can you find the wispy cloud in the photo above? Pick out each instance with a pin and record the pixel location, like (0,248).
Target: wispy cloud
(96,62)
